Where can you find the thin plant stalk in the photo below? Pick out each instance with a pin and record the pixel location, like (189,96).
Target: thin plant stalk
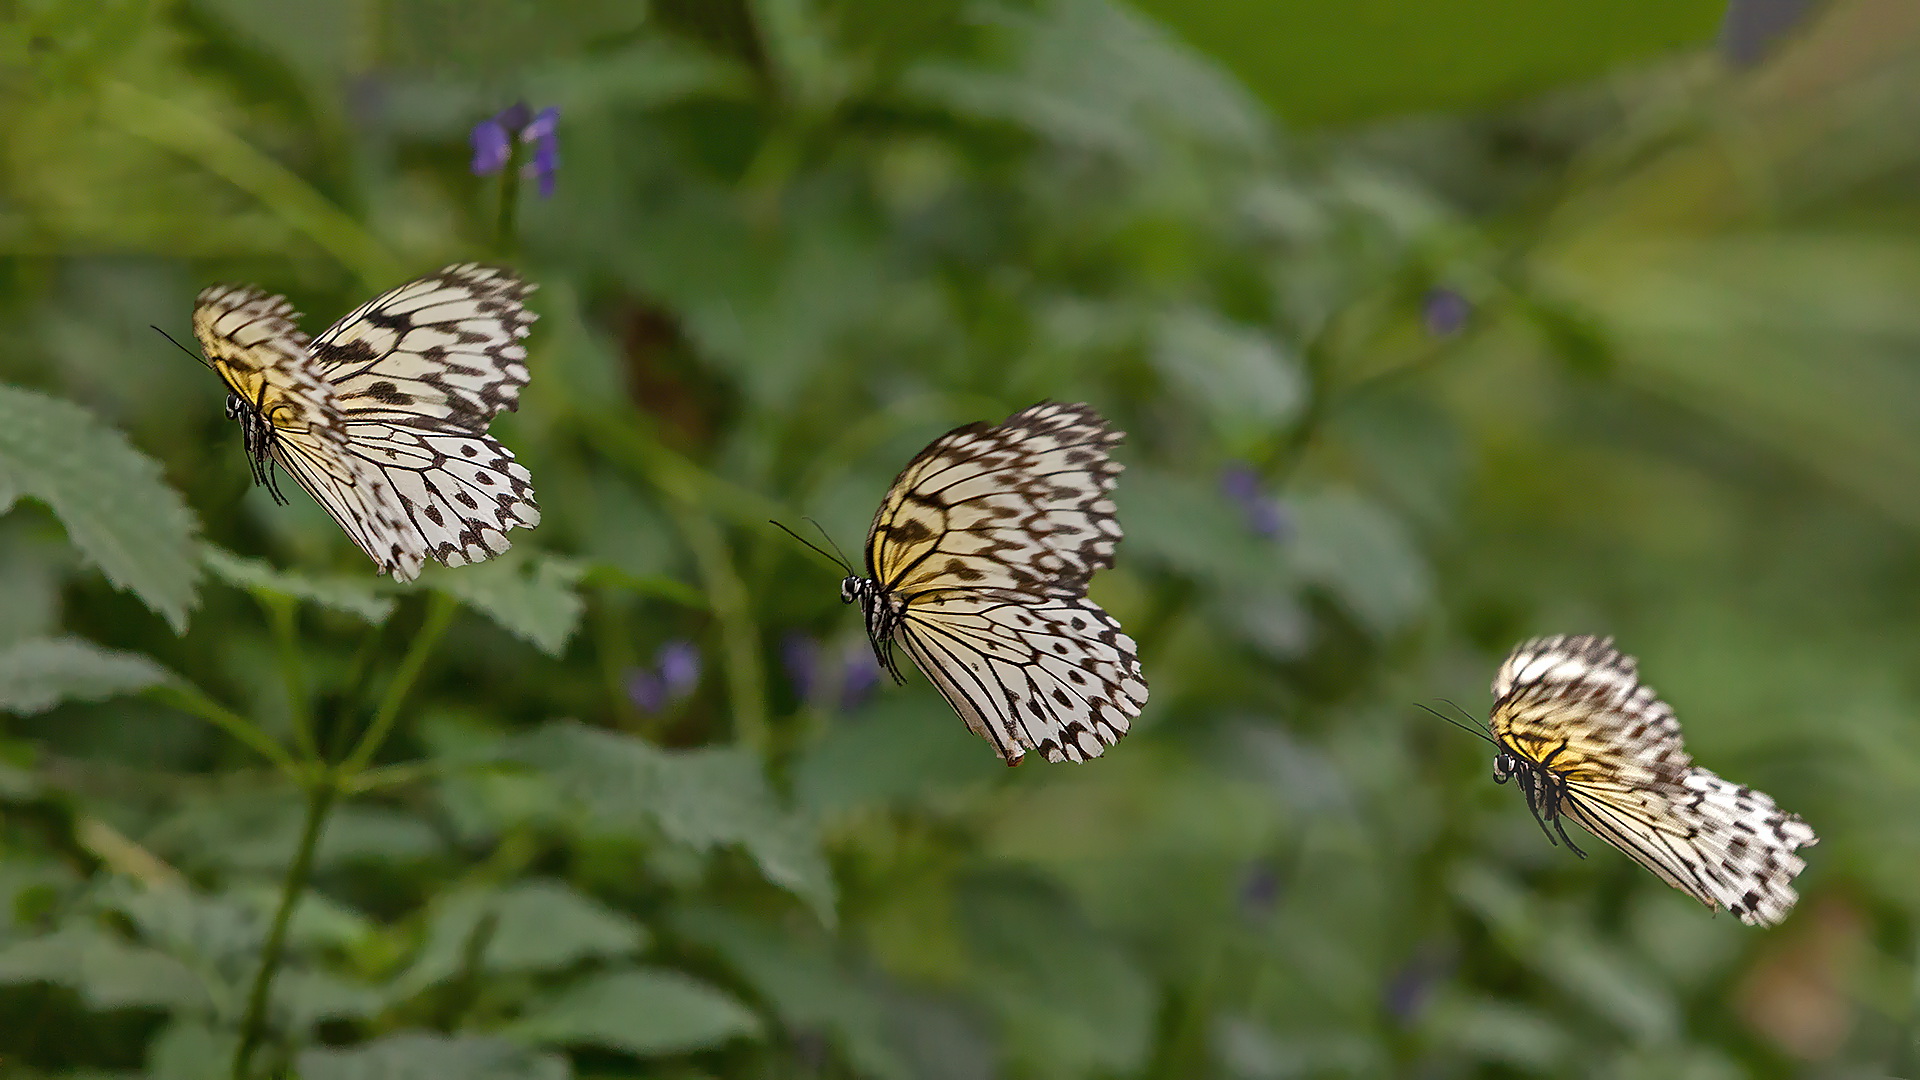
(440,612)
(188,698)
(506,222)
(320,798)
(284,617)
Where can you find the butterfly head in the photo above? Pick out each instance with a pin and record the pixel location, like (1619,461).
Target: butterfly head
(1505,765)
(854,587)
(236,407)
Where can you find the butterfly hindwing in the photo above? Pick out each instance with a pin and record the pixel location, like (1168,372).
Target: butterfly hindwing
(1058,677)
(1573,707)
(419,371)
(383,417)
(981,553)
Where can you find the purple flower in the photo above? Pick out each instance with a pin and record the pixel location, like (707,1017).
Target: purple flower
(800,656)
(839,676)
(1259,890)
(646,691)
(674,676)
(859,676)
(1445,312)
(544,134)
(679,665)
(492,146)
(1240,482)
(1406,994)
(1264,515)
(1267,518)
(495,138)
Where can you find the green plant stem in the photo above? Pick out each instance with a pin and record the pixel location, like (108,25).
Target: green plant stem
(733,612)
(440,612)
(506,223)
(323,788)
(687,488)
(189,698)
(283,616)
(187,131)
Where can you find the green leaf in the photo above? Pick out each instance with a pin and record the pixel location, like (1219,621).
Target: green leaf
(1239,377)
(1362,555)
(1094,74)
(532,598)
(258,831)
(116,508)
(701,798)
(903,748)
(806,984)
(1072,1002)
(184,1049)
(1188,524)
(420,1056)
(38,674)
(1564,951)
(355,597)
(537,926)
(644,1011)
(303,998)
(107,972)
(1347,61)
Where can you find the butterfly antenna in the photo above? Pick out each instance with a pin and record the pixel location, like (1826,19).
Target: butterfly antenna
(1470,718)
(844,565)
(828,537)
(1468,728)
(197,358)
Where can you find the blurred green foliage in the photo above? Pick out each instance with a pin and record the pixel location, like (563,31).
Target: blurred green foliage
(1637,358)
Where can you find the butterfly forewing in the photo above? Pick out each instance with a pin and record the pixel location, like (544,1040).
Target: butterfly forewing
(252,341)
(445,347)
(1573,707)
(1022,505)
(407,383)
(984,547)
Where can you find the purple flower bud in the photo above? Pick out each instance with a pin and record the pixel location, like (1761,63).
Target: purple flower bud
(1240,482)
(1267,518)
(679,667)
(1259,890)
(1406,994)
(514,117)
(491,148)
(645,689)
(1445,312)
(859,676)
(545,164)
(542,126)
(800,656)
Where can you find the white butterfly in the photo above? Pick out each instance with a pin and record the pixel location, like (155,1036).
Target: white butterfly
(978,562)
(383,418)
(1590,744)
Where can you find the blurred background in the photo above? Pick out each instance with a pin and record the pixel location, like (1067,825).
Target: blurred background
(1432,327)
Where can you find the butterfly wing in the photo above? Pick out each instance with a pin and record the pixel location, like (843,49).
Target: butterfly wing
(987,541)
(418,373)
(1055,676)
(1575,705)
(252,341)
(1024,505)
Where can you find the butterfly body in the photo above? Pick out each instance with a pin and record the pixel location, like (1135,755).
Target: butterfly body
(1587,742)
(383,417)
(977,565)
